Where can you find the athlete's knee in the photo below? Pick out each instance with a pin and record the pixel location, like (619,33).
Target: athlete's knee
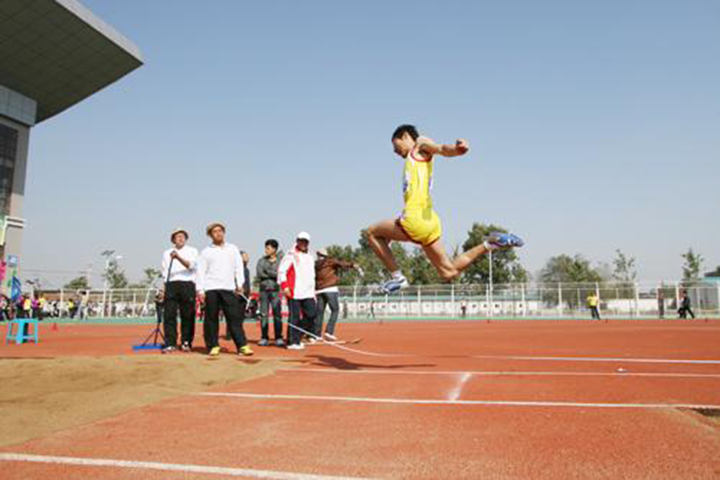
(449,274)
(374,231)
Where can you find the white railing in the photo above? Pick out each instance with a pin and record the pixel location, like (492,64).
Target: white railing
(510,301)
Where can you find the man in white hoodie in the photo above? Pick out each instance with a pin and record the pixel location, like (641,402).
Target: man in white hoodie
(296,275)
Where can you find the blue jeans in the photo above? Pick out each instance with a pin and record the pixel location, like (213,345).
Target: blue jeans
(271,300)
(330,299)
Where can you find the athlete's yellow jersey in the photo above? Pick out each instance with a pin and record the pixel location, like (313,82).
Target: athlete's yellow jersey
(419,220)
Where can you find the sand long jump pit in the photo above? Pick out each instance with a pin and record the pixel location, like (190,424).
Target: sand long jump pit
(40,396)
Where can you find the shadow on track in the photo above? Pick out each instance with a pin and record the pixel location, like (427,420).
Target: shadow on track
(345,364)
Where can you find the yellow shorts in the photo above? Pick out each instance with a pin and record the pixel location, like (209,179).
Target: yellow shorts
(422,227)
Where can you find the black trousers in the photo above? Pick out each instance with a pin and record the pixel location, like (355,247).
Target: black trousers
(305,307)
(271,300)
(595,313)
(331,300)
(179,296)
(683,311)
(233,307)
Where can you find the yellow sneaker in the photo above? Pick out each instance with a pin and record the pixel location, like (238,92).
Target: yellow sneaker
(214,352)
(246,350)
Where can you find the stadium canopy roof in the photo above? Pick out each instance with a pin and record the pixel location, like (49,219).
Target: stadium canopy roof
(58,53)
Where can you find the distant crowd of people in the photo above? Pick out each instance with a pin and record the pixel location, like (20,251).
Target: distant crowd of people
(37,306)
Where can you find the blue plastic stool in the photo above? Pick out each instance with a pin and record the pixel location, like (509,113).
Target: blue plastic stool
(20,335)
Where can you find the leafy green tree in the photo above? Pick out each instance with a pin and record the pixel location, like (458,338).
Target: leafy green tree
(625,274)
(692,264)
(564,269)
(419,270)
(506,266)
(151,275)
(114,275)
(624,267)
(79,283)
(567,269)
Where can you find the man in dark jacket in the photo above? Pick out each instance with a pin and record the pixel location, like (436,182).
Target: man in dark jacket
(326,280)
(267,273)
(685,307)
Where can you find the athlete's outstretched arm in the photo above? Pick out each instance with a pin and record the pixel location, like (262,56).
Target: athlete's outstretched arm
(430,148)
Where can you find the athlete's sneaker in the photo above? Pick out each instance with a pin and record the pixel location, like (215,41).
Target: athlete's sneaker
(214,351)
(296,346)
(504,240)
(186,347)
(263,343)
(279,342)
(313,341)
(245,351)
(330,337)
(168,349)
(393,285)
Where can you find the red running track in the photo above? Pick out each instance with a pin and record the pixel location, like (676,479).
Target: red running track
(457,400)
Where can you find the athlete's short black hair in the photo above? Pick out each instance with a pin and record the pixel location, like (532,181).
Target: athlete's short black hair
(272,243)
(406,128)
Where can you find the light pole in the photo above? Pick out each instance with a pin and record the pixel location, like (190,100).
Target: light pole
(109,258)
(490,274)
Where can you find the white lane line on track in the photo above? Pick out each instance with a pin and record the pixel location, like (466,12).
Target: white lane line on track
(454,394)
(168,467)
(598,359)
(381,371)
(413,401)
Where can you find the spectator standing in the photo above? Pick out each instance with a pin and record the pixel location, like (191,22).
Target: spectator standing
(177,292)
(27,306)
(327,292)
(296,274)
(592,303)
(220,277)
(661,303)
(685,306)
(267,274)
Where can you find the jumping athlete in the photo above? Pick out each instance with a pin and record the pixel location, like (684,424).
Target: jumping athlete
(419,223)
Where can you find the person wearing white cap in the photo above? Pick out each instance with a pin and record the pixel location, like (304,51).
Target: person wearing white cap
(296,275)
(178,291)
(220,280)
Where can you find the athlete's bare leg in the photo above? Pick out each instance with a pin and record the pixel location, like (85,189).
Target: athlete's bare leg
(448,269)
(380,235)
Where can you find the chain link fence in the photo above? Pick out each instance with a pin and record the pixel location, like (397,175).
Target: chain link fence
(512,301)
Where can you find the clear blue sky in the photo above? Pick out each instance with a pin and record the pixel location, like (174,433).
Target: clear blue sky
(594,126)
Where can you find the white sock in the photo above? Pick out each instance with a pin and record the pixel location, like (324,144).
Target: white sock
(397,275)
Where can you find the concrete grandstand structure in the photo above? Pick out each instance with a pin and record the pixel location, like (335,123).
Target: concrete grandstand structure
(53,55)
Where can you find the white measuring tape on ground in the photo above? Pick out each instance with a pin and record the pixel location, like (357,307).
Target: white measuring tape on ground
(349,349)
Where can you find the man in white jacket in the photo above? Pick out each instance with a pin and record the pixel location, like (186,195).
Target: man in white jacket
(296,275)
